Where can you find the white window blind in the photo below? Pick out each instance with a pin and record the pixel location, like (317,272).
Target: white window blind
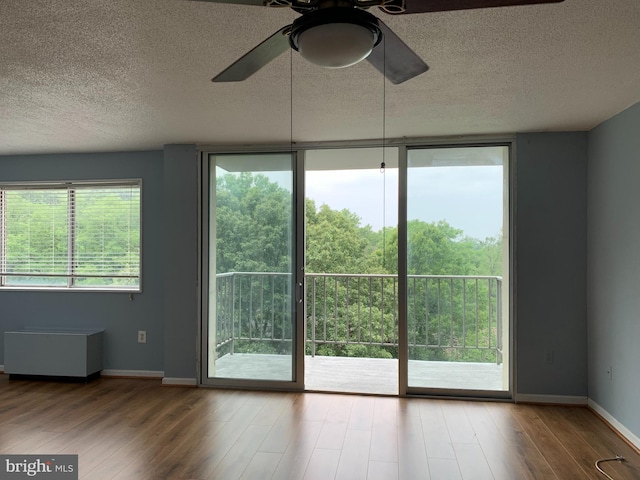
(70,235)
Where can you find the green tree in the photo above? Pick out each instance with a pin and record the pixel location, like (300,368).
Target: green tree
(253,224)
(335,243)
(354,315)
(106,235)
(491,255)
(36,235)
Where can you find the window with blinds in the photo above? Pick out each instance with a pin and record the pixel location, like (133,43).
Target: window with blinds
(71,235)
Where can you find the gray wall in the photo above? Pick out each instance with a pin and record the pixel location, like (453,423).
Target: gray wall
(614,266)
(551,229)
(119,316)
(181,260)
(551,263)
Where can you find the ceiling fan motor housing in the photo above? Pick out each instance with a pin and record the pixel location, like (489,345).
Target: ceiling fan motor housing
(335,37)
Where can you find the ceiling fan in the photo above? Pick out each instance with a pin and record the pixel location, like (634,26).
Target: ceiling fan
(340,33)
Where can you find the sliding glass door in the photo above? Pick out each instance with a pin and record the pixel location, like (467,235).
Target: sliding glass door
(251,329)
(351,270)
(415,303)
(457,266)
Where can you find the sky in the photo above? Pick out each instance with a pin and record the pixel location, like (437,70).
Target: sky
(468,198)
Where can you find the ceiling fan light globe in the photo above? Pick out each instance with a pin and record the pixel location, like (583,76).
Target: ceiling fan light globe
(336,45)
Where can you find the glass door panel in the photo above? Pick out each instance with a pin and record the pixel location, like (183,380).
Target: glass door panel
(457,268)
(252,296)
(351,270)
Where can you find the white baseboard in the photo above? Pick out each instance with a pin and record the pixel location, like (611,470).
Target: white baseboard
(133,373)
(619,427)
(182,382)
(550,399)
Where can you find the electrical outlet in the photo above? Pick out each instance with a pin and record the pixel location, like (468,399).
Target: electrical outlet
(548,357)
(142,336)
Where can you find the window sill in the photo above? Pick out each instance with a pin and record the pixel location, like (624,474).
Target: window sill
(69,289)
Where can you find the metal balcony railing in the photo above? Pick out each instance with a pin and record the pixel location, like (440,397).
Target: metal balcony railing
(449,317)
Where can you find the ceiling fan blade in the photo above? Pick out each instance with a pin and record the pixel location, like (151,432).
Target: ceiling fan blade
(258,3)
(401,63)
(425,6)
(257,58)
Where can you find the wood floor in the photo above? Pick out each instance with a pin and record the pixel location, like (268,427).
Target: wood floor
(137,429)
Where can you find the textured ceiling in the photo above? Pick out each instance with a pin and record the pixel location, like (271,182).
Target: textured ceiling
(95,75)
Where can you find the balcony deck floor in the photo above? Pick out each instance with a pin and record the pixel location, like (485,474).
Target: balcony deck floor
(364,375)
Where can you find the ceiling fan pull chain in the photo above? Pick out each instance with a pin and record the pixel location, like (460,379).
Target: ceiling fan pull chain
(384,145)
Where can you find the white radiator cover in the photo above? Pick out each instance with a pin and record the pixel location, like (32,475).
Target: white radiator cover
(72,353)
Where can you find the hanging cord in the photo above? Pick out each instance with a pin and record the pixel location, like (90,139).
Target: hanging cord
(384,209)
(383,164)
(291,101)
(618,458)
